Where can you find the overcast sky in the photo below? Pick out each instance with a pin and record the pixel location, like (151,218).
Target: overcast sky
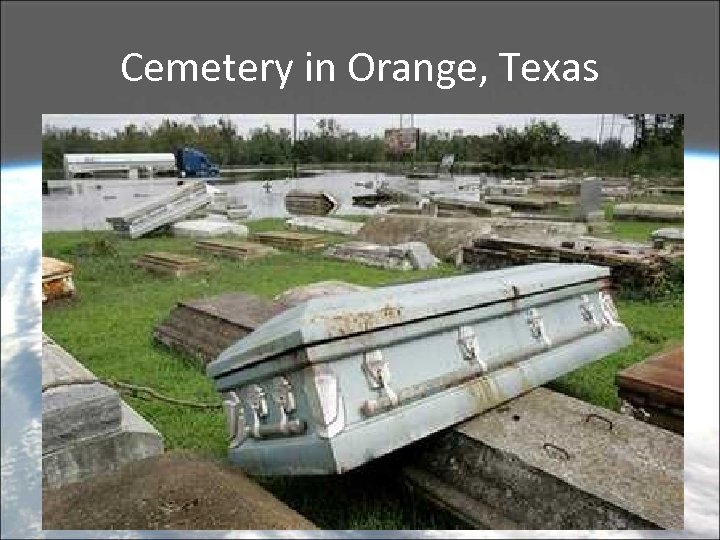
(578,126)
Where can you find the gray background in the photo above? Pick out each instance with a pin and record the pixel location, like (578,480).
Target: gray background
(66,58)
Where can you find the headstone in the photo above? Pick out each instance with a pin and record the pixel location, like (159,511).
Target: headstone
(590,198)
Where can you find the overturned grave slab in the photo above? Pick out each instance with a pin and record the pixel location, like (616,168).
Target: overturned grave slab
(407,256)
(312,203)
(236,250)
(337,381)
(653,390)
(634,267)
(170,264)
(230,207)
(205,327)
(324,224)
(57,279)
(160,211)
(87,428)
(548,461)
(175,491)
(649,212)
(290,240)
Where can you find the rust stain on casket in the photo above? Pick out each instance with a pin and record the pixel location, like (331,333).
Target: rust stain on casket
(353,322)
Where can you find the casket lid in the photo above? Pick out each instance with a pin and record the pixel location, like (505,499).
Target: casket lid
(334,317)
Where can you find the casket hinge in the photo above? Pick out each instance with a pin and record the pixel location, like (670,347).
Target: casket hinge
(587,311)
(378,373)
(470,347)
(537,326)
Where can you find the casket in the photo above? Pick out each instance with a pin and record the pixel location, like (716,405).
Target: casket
(337,381)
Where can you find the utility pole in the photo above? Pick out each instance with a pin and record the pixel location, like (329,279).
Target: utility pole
(294,149)
(417,140)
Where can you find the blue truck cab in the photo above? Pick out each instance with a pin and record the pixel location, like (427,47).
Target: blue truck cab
(194,163)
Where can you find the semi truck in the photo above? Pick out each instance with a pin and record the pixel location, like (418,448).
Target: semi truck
(184,162)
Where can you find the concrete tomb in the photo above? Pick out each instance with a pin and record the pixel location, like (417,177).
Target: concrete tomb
(87,428)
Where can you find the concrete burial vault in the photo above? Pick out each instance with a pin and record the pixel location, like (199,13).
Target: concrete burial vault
(87,429)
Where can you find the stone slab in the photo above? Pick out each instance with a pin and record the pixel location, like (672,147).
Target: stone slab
(292,240)
(418,253)
(668,236)
(234,249)
(548,461)
(204,327)
(208,228)
(73,411)
(654,389)
(135,439)
(87,428)
(443,236)
(649,212)
(172,264)
(318,203)
(406,256)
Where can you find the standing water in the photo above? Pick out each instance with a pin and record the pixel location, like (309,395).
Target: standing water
(85,204)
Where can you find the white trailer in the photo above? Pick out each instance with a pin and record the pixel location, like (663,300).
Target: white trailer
(132,165)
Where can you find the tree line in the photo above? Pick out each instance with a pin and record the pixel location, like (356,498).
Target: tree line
(539,145)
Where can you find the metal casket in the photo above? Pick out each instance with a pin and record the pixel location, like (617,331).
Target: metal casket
(337,381)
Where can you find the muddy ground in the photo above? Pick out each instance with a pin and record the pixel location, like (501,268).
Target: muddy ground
(176,490)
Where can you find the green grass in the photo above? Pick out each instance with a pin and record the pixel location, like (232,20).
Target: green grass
(638,231)
(654,326)
(108,328)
